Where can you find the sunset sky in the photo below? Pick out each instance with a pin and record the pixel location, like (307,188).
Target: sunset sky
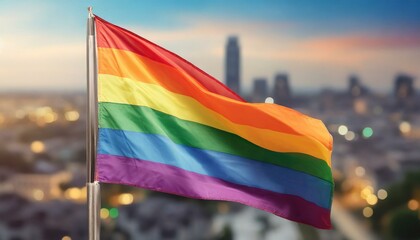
(319,43)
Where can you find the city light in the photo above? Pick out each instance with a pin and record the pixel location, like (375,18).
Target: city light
(104,213)
(405,127)
(43,115)
(37,147)
(342,130)
(41,111)
(372,199)
(71,116)
(350,136)
(360,171)
(367,212)
(269,100)
(113,212)
(38,194)
(66,238)
(413,205)
(50,117)
(366,192)
(125,198)
(73,193)
(367,132)
(382,194)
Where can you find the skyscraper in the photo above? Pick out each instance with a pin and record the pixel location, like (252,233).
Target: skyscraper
(404,91)
(260,91)
(281,90)
(356,88)
(232,64)
(404,88)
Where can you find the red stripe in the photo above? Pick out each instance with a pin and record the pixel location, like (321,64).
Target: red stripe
(112,36)
(173,180)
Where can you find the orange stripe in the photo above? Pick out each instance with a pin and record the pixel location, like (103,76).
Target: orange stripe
(112,36)
(266,116)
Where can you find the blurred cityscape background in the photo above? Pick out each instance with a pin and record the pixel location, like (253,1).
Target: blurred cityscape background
(369,102)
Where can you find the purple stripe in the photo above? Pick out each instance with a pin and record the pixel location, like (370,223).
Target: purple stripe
(169,179)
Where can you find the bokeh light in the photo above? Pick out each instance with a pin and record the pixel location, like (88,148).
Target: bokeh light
(360,171)
(372,199)
(413,204)
(72,116)
(37,147)
(38,194)
(382,194)
(113,212)
(125,198)
(367,212)
(342,130)
(367,132)
(405,127)
(350,136)
(269,100)
(104,213)
(73,193)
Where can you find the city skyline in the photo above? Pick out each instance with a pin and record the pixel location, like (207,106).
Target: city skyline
(354,65)
(317,45)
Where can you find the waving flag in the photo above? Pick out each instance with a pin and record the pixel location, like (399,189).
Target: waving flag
(166,125)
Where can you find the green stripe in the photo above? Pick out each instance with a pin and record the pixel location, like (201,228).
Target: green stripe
(143,119)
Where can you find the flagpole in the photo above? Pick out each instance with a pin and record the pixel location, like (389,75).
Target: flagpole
(93,187)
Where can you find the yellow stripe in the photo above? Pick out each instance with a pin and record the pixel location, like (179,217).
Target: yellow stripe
(126,91)
(173,78)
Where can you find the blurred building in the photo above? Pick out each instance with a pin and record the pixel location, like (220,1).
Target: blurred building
(23,219)
(356,89)
(404,91)
(403,87)
(162,218)
(39,187)
(260,90)
(281,91)
(358,95)
(232,64)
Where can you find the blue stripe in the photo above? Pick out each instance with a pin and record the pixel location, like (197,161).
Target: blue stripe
(239,170)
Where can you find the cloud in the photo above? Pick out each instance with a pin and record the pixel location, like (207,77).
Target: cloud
(356,41)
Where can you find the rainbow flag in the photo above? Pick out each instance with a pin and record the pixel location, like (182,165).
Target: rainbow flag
(166,125)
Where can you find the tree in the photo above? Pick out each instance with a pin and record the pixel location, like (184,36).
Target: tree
(405,224)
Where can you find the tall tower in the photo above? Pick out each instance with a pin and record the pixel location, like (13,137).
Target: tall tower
(355,88)
(281,91)
(260,90)
(403,87)
(404,91)
(232,64)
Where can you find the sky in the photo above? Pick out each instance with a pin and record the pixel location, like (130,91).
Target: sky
(318,43)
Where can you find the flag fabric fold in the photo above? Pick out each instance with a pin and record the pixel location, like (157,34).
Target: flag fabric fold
(166,125)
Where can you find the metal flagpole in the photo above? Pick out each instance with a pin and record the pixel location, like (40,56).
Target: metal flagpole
(93,187)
